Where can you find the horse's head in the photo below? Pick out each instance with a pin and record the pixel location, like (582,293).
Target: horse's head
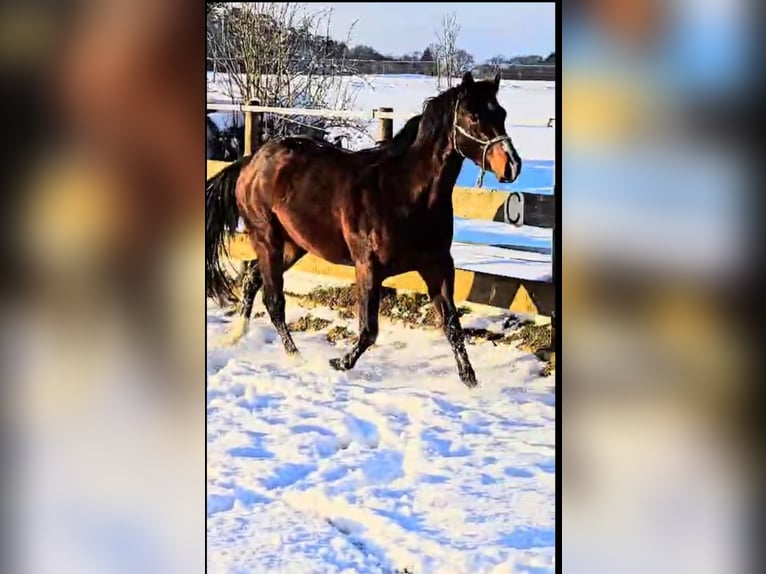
(479,129)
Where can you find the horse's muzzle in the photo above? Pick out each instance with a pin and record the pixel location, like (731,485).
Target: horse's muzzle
(512,171)
(512,164)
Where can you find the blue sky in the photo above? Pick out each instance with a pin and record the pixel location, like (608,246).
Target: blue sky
(487,29)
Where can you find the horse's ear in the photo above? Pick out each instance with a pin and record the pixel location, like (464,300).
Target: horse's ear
(467,79)
(497,81)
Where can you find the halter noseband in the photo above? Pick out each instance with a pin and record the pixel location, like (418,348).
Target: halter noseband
(486,145)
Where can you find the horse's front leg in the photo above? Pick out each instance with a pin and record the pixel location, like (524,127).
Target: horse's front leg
(439,276)
(368,294)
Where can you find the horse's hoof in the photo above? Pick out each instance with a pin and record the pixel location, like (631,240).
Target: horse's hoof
(239,328)
(230,340)
(294,354)
(469,378)
(338,364)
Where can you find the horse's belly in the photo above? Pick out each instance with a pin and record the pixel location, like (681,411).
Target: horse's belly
(318,237)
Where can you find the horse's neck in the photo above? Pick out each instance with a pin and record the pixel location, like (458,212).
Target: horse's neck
(437,167)
(449,171)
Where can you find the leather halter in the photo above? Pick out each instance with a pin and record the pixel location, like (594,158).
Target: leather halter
(486,145)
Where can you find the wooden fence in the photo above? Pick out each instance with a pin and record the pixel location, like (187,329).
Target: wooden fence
(385,116)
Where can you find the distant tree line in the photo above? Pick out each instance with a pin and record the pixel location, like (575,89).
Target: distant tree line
(302,45)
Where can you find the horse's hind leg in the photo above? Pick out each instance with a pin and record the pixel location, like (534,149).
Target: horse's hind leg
(440,279)
(271,255)
(252,281)
(368,295)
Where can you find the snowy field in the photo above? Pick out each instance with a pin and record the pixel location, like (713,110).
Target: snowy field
(394,466)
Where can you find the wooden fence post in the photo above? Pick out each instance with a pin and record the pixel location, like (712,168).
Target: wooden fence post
(385,126)
(252,129)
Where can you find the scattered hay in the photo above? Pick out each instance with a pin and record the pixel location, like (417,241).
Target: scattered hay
(308,323)
(536,339)
(336,298)
(409,308)
(346,314)
(474,335)
(339,333)
(415,309)
(549,364)
(533,337)
(512,322)
(527,336)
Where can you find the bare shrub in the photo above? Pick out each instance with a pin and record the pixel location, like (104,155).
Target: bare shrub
(282,55)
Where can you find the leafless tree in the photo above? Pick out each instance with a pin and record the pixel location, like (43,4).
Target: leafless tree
(281,55)
(434,51)
(446,41)
(463,61)
(496,62)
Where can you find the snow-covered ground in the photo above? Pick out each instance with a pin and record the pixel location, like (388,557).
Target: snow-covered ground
(394,466)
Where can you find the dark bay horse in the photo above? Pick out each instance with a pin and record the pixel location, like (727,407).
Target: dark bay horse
(386,210)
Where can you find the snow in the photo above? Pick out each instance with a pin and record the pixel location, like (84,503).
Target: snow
(503,262)
(394,465)
(486,232)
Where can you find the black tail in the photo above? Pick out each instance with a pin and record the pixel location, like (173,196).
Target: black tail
(221,216)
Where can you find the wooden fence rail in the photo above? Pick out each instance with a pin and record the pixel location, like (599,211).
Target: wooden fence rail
(349,114)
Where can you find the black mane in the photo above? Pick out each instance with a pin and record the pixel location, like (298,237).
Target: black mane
(403,139)
(398,145)
(406,136)
(439,113)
